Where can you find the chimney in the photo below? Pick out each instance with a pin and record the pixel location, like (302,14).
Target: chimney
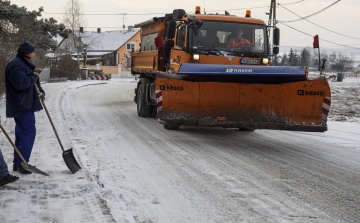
(99,30)
(81,29)
(130,28)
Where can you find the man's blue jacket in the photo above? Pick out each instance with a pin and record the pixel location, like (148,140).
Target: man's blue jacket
(21,95)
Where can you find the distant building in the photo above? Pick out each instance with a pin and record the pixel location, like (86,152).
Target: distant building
(105,50)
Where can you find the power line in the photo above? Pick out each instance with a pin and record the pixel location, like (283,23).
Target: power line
(303,18)
(311,14)
(259,7)
(291,3)
(154,13)
(319,38)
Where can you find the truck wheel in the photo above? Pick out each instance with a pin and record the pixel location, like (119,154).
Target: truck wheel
(143,109)
(171,126)
(153,111)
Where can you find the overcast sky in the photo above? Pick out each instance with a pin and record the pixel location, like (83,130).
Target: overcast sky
(341,18)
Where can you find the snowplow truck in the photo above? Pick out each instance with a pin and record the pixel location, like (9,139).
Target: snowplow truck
(191,71)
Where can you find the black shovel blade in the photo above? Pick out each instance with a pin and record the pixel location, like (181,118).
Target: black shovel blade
(33,169)
(70,161)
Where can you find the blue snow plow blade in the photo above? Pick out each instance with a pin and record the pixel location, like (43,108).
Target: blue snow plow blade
(244,72)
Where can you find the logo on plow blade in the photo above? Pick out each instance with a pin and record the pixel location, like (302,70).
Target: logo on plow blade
(171,87)
(231,70)
(310,93)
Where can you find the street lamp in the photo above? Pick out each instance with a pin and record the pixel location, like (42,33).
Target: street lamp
(84,69)
(85,57)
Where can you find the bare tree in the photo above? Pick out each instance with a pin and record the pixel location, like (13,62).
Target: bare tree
(73,20)
(340,63)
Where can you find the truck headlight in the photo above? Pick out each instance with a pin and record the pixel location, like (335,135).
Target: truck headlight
(196,57)
(265,61)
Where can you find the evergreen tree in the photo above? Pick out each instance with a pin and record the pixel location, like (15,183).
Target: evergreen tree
(305,58)
(17,25)
(284,60)
(293,58)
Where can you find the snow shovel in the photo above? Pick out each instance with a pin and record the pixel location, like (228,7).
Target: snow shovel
(68,155)
(24,163)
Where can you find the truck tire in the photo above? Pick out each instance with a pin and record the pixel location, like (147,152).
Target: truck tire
(153,111)
(143,109)
(171,126)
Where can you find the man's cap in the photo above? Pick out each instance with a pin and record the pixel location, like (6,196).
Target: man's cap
(25,48)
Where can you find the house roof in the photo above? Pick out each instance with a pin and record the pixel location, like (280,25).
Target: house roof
(106,41)
(58,39)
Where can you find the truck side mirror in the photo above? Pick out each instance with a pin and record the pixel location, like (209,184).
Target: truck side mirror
(276,50)
(276,37)
(178,13)
(198,24)
(169,43)
(194,23)
(170,29)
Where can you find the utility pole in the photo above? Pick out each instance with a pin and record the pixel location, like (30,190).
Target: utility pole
(124,20)
(272,16)
(272,30)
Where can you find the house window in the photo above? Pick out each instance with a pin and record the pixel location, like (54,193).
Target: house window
(128,62)
(130,46)
(109,59)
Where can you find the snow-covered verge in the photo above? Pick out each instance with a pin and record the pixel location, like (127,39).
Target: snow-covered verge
(345,100)
(133,170)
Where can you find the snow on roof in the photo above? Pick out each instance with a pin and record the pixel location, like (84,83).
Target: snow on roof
(108,40)
(53,55)
(95,53)
(82,58)
(58,39)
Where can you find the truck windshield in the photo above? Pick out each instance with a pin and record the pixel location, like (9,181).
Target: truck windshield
(234,38)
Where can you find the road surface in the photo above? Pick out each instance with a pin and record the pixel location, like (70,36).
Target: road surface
(133,170)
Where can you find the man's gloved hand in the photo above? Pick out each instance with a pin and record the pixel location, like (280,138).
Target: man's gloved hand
(42,95)
(37,72)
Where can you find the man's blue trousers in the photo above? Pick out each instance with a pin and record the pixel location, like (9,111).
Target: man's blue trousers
(25,133)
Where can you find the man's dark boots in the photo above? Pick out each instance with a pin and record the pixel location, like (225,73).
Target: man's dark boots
(21,169)
(8,179)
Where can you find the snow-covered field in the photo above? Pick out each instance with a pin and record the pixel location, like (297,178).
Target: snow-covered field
(133,170)
(345,100)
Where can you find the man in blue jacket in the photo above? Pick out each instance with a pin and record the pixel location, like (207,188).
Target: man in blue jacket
(22,101)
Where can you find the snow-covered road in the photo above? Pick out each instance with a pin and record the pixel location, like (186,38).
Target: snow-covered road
(133,170)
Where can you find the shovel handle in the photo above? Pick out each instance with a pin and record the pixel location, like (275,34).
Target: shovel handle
(48,115)
(11,142)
